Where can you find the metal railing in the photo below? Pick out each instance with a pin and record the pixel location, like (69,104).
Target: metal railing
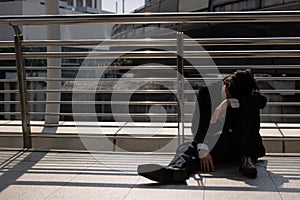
(178,54)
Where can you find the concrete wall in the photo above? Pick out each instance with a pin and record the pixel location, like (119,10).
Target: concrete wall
(9,8)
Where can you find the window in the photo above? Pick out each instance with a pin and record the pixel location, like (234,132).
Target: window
(193,5)
(79,3)
(70,2)
(168,6)
(89,3)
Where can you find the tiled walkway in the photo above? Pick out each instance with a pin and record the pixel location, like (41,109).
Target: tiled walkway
(65,175)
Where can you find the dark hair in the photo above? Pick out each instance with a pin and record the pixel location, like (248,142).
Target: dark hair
(241,84)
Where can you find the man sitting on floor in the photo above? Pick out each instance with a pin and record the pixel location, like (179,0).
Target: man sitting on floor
(234,138)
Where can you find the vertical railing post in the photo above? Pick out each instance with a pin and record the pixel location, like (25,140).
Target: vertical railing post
(21,74)
(180,87)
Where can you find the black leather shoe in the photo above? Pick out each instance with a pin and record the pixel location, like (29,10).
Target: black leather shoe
(162,174)
(247,167)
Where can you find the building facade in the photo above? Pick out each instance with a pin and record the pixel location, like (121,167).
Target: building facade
(67,32)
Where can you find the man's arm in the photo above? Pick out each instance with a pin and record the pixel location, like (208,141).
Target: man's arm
(255,101)
(202,115)
(200,125)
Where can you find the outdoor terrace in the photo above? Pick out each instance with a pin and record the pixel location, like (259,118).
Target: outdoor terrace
(40,160)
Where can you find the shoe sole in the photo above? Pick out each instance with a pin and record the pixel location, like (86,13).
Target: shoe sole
(160,174)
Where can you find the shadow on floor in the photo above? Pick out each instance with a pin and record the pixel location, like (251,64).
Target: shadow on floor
(10,176)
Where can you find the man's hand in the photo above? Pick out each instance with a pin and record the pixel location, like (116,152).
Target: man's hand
(206,161)
(220,111)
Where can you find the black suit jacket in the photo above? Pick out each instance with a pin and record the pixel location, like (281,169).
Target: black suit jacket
(208,98)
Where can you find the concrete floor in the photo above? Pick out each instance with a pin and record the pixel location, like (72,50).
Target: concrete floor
(78,175)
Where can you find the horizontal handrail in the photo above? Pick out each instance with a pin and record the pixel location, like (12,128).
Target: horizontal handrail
(264,91)
(150,67)
(153,79)
(44,79)
(120,125)
(101,79)
(281,115)
(153,18)
(97,91)
(283,103)
(243,41)
(159,42)
(7,44)
(169,103)
(10,113)
(92,135)
(161,67)
(157,115)
(156,54)
(102,42)
(95,125)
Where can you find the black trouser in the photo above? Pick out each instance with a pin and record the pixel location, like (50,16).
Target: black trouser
(240,138)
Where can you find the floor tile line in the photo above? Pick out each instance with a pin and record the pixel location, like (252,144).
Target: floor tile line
(278,192)
(68,181)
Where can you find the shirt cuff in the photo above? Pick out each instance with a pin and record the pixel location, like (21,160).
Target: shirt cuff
(234,103)
(202,146)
